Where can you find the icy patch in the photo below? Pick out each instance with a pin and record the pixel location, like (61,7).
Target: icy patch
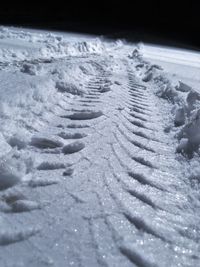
(192,100)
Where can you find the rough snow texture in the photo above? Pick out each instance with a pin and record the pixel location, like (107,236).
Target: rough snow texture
(185,109)
(99,155)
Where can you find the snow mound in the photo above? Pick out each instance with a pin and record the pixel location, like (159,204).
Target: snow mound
(95,46)
(18,140)
(155,66)
(13,167)
(61,47)
(180,117)
(30,69)
(136,55)
(182,87)
(192,100)
(190,135)
(4,146)
(70,88)
(169,93)
(152,70)
(148,77)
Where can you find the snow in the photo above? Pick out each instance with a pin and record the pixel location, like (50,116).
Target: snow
(24,205)
(9,175)
(45,142)
(85,115)
(182,64)
(7,237)
(179,119)
(68,172)
(50,165)
(73,147)
(99,152)
(69,88)
(184,98)
(5,147)
(42,182)
(191,134)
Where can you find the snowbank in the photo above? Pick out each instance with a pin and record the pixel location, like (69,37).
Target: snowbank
(18,45)
(184,101)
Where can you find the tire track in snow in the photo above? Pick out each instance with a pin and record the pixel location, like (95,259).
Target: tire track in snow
(136,218)
(45,143)
(139,223)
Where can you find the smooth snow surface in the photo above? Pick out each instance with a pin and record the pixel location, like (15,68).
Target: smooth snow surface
(99,152)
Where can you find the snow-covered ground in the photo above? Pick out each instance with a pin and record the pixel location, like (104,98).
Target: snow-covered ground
(183,64)
(99,155)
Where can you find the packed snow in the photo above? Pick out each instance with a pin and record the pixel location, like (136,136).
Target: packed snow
(99,152)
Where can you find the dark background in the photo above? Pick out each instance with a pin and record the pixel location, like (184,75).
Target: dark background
(171,22)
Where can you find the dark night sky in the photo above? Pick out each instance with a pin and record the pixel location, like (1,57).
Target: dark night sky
(176,21)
